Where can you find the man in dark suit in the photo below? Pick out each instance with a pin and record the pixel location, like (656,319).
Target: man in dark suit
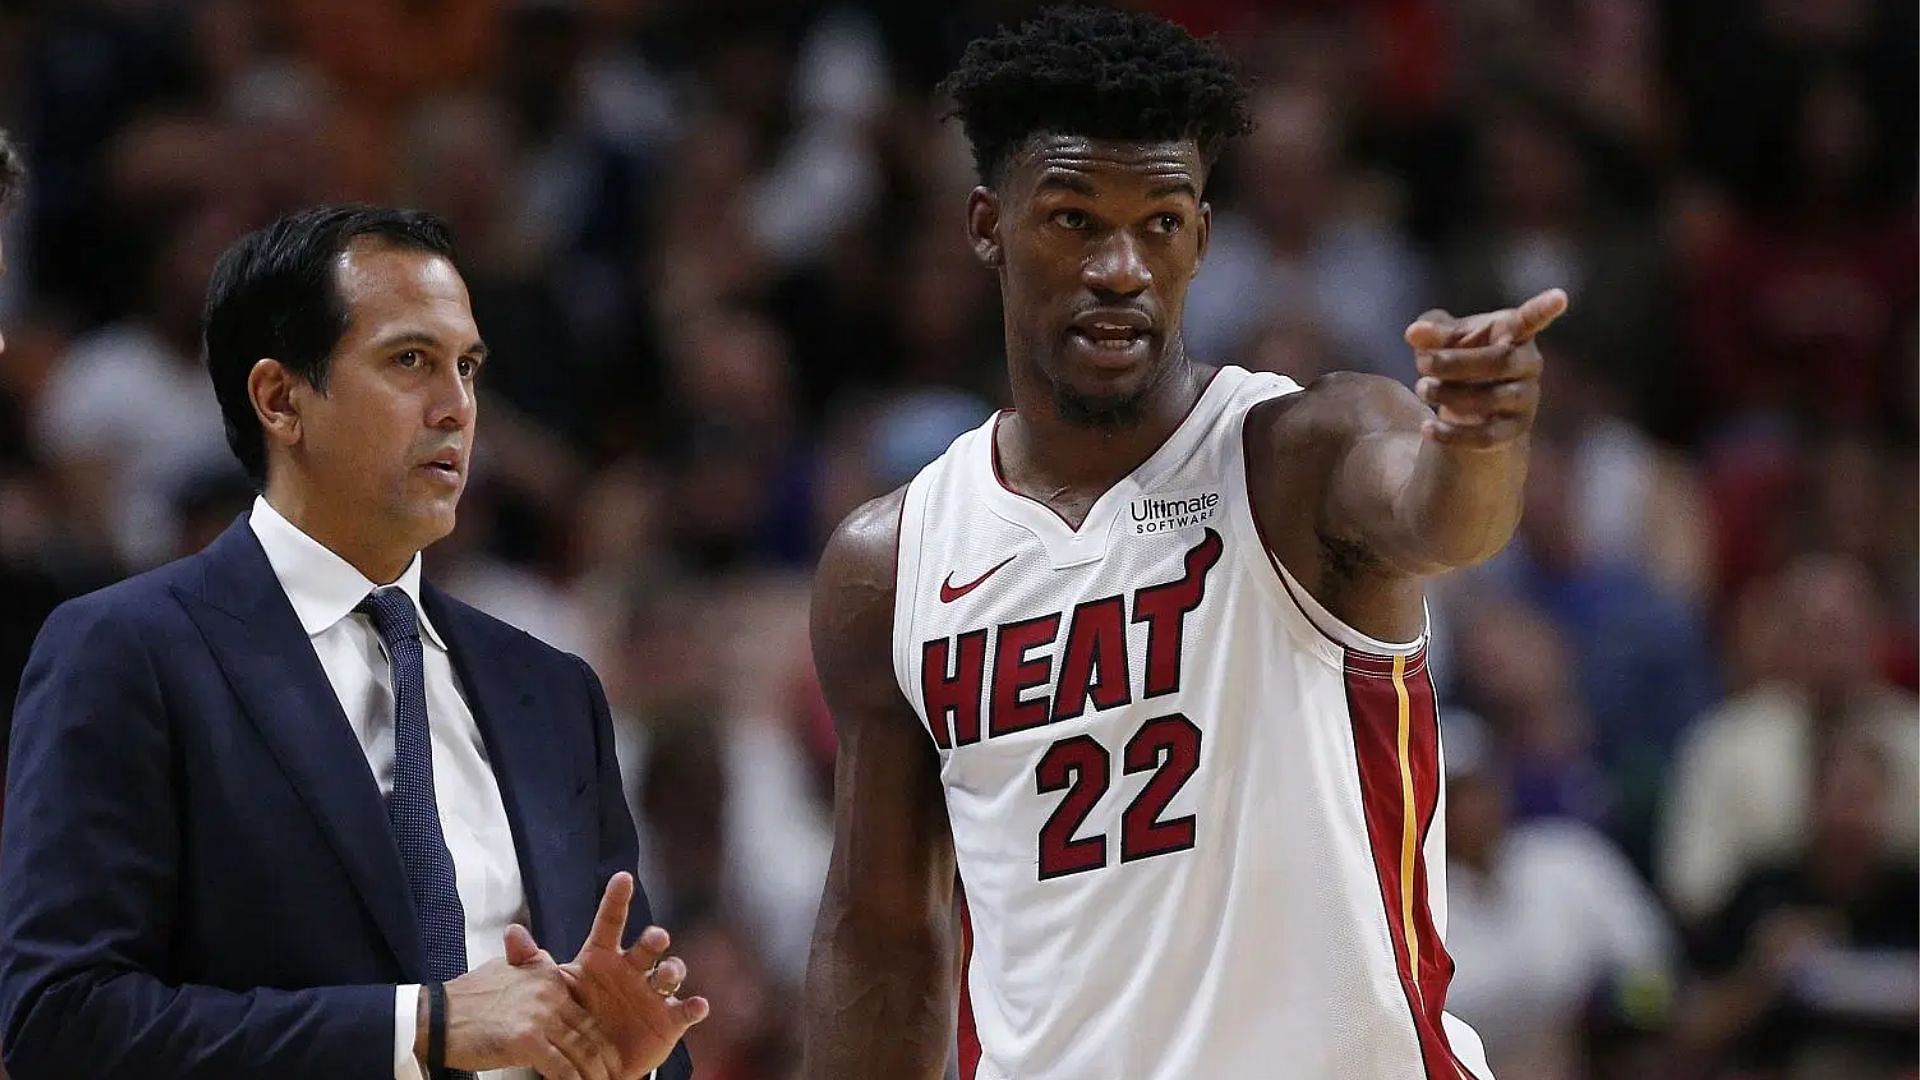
(284,809)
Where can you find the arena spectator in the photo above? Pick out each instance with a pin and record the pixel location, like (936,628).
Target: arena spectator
(1742,792)
(1810,962)
(1553,931)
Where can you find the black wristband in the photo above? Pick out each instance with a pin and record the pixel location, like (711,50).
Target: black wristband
(436,1029)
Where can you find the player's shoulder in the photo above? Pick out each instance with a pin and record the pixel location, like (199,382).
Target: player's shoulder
(856,571)
(853,596)
(1338,400)
(867,539)
(1331,410)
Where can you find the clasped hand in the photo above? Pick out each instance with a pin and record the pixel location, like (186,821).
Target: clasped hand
(609,1014)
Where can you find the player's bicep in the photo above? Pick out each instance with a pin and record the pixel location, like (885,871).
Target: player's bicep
(893,864)
(1366,500)
(881,977)
(1364,434)
(893,852)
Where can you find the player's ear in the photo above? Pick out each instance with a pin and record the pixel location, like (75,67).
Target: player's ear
(1205,237)
(983,227)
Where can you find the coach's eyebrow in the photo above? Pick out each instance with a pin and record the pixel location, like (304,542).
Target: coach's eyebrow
(421,339)
(407,339)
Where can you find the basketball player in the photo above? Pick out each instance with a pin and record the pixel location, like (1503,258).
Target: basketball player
(1142,659)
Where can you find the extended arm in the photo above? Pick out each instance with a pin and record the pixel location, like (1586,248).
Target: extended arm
(879,1000)
(1400,486)
(1426,492)
(1417,505)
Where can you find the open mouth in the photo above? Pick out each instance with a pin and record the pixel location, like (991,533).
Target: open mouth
(1111,336)
(1116,335)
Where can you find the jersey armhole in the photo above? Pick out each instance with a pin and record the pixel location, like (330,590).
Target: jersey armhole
(1328,625)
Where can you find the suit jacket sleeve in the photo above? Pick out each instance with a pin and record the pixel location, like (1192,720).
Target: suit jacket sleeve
(89,863)
(619,846)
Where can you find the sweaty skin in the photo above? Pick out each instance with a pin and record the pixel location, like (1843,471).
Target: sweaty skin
(1359,486)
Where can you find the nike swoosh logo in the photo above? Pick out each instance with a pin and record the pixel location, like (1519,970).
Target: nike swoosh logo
(949,593)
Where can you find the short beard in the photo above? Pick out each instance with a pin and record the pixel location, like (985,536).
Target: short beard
(1101,413)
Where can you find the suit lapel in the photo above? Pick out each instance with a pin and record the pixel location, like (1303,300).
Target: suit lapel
(258,641)
(538,783)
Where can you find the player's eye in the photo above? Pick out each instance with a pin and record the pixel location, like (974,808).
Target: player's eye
(469,367)
(407,358)
(1072,219)
(1168,223)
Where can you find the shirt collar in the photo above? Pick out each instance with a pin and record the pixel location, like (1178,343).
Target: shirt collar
(323,587)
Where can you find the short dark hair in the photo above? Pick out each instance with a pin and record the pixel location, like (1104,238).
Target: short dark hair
(13,170)
(276,293)
(1098,73)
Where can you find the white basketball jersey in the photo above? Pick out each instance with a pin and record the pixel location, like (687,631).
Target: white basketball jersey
(1198,821)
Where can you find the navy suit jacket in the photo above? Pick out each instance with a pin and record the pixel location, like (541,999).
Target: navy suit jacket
(196,874)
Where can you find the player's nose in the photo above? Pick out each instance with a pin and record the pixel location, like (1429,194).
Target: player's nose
(1117,266)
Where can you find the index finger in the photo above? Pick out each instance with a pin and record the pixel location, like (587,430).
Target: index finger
(1538,313)
(610,921)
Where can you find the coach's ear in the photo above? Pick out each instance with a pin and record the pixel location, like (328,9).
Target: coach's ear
(983,227)
(275,392)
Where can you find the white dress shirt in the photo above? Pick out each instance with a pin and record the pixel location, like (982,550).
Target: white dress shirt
(324,588)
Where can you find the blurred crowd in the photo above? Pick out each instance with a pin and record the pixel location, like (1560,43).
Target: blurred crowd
(716,248)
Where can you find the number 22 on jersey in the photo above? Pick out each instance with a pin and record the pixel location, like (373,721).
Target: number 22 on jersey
(1093,672)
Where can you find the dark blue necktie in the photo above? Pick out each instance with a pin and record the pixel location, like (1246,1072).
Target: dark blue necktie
(412,812)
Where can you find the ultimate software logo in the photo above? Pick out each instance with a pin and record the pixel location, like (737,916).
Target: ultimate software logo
(1165,513)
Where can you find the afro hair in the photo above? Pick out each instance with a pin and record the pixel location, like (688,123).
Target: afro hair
(1096,73)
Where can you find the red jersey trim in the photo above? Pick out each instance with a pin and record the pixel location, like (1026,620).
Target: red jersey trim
(1396,741)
